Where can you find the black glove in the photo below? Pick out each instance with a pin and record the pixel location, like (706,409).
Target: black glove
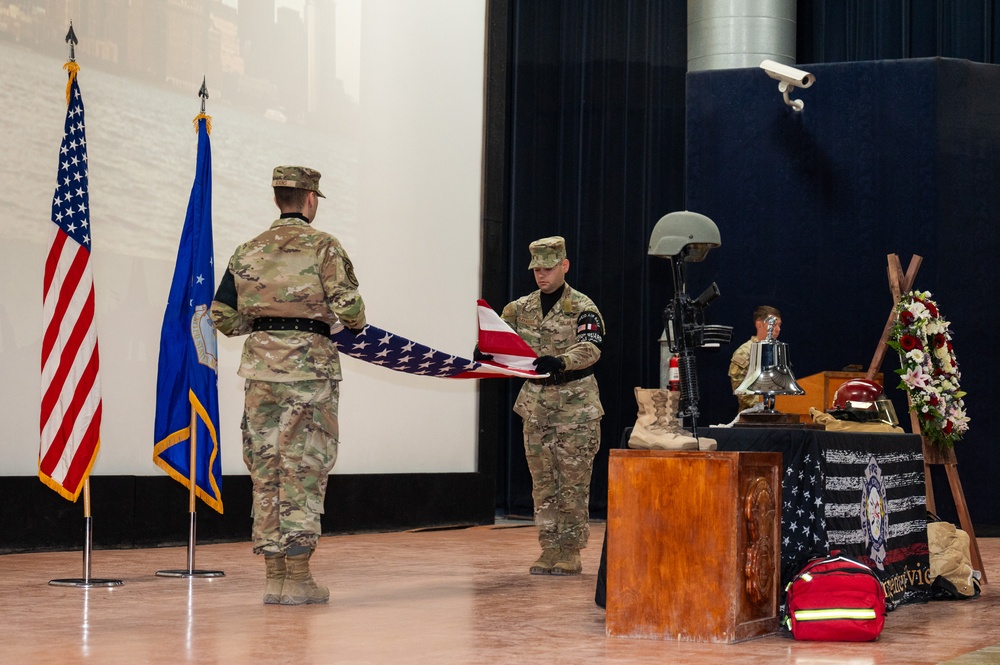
(549,364)
(354,331)
(479,356)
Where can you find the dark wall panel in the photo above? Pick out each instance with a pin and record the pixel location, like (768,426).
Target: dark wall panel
(152,511)
(887,157)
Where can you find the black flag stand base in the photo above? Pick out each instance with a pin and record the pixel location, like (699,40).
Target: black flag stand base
(190,571)
(86,581)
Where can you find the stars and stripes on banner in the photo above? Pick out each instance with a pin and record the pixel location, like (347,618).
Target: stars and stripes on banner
(512,357)
(71,388)
(187,386)
(856,493)
(803,521)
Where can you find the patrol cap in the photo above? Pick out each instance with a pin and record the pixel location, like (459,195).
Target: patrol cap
(547,252)
(299,177)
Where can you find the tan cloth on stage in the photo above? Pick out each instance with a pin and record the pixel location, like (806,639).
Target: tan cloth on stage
(831,424)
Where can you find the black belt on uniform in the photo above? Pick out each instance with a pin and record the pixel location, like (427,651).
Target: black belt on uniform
(291,323)
(559,378)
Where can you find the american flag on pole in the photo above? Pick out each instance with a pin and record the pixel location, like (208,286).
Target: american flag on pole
(71,386)
(512,357)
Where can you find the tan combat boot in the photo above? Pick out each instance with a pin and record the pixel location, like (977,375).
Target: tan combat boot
(568,562)
(274,564)
(657,426)
(299,587)
(543,564)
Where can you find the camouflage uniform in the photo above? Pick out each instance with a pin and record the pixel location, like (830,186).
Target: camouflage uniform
(738,367)
(561,422)
(290,427)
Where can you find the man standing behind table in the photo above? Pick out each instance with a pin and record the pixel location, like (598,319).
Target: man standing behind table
(561,413)
(286,288)
(739,365)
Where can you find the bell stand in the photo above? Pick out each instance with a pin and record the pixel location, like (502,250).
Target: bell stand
(933,455)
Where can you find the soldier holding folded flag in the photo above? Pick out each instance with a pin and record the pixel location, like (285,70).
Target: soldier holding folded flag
(562,412)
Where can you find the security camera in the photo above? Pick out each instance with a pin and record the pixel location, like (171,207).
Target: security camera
(790,75)
(788,78)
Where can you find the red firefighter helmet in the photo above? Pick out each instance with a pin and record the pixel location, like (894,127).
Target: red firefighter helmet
(863,400)
(856,393)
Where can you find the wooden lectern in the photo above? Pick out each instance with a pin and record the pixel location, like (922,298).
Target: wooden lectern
(694,545)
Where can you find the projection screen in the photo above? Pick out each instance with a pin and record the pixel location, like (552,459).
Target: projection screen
(383,97)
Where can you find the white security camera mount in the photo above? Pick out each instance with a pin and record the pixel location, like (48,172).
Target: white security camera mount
(788,78)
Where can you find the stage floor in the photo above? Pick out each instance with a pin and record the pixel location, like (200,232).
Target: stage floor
(431,596)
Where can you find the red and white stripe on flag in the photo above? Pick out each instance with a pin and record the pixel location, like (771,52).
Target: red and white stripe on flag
(71,388)
(497,339)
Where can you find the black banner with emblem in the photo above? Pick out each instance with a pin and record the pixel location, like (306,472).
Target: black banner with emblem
(859,493)
(876,510)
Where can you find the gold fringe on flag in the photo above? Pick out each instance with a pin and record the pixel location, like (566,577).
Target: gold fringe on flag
(72,68)
(208,122)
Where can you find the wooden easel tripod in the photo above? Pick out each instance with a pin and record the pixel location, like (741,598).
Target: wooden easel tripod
(898,285)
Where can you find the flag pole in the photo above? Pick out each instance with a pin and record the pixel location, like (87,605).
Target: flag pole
(193,467)
(192,514)
(88,527)
(88,541)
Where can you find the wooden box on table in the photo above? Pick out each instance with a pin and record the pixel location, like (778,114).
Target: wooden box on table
(693,545)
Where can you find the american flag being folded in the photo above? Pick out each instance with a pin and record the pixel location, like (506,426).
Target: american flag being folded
(512,356)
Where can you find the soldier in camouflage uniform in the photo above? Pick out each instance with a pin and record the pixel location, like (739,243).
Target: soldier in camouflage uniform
(286,289)
(562,413)
(740,362)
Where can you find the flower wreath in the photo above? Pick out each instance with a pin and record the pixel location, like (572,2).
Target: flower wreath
(928,368)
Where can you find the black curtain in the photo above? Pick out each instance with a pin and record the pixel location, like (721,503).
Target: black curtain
(594,152)
(849,30)
(585,139)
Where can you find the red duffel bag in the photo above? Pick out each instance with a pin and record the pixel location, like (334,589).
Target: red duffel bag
(835,599)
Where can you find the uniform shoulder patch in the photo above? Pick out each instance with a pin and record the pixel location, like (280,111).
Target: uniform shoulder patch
(349,270)
(590,328)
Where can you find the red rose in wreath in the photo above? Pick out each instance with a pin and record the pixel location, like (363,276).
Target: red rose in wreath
(906,317)
(909,342)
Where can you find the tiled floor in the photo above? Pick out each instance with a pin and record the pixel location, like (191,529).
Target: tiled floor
(444,596)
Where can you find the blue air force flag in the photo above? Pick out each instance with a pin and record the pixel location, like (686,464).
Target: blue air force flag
(187,393)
